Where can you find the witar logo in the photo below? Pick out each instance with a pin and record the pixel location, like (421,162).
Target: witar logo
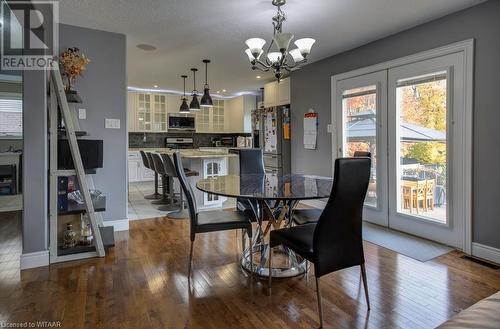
(29,34)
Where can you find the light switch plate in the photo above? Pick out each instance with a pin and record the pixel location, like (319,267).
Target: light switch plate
(82,114)
(112,123)
(330,128)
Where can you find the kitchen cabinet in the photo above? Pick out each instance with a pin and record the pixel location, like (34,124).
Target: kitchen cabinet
(213,168)
(270,90)
(137,172)
(147,112)
(276,94)
(239,114)
(212,119)
(134,167)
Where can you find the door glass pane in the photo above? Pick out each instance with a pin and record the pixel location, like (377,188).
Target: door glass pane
(359,106)
(422,111)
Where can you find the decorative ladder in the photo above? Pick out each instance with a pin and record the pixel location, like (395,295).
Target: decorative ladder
(85,181)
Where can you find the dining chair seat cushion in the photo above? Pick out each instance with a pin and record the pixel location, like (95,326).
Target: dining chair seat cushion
(220,220)
(305,216)
(298,238)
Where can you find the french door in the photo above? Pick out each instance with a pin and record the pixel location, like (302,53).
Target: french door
(411,118)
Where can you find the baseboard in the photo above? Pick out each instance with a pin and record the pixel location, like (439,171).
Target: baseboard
(118,225)
(486,252)
(34,259)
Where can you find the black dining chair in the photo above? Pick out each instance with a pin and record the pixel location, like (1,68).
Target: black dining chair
(335,242)
(209,221)
(251,162)
(147,164)
(305,216)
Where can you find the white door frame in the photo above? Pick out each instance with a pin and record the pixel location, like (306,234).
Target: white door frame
(467,48)
(374,214)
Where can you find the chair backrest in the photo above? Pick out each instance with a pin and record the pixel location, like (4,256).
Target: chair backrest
(150,161)
(362,154)
(158,164)
(251,161)
(188,192)
(338,241)
(169,165)
(145,160)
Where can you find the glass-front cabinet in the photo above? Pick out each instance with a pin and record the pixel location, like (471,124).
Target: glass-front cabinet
(147,112)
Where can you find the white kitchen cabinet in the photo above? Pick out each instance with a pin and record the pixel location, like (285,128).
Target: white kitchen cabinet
(173,103)
(137,172)
(134,167)
(212,119)
(239,114)
(270,90)
(131,110)
(147,112)
(213,168)
(283,93)
(276,94)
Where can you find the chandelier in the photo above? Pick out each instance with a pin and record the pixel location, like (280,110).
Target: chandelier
(282,61)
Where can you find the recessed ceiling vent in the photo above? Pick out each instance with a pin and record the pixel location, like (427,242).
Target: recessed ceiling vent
(146,47)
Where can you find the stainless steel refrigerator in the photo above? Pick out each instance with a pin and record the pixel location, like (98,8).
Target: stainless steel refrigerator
(275,139)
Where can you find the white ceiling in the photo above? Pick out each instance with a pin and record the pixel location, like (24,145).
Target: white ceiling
(186,31)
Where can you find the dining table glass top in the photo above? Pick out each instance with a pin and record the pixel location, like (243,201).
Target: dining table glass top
(267,186)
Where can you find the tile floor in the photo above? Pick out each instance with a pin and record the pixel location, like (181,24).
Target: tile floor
(140,208)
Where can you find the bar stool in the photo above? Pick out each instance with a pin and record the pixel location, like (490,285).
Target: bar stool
(160,169)
(181,212)
(147,164)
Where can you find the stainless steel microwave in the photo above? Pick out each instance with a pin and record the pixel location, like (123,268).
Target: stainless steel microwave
(181,122)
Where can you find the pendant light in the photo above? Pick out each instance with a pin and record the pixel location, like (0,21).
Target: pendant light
(206,100)
(195,104)
(184,106)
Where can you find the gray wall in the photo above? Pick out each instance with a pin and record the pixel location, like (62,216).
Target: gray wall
(311,89)
(35,183)
(104,92)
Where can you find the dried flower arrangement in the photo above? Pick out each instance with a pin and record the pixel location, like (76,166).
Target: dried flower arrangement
(73,63)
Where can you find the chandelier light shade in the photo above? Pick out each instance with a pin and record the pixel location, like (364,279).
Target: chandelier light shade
(206,99)
(184,106)
(283,61)
(282,41)
(304,45)
(195,104)
(255,46)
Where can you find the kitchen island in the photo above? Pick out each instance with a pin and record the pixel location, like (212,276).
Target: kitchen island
(207,162)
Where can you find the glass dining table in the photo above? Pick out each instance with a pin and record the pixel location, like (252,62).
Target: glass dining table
(272,199)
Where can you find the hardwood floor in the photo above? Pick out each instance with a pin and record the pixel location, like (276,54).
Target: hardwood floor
(142,284)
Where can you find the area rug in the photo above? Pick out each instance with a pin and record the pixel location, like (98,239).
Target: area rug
(402,243)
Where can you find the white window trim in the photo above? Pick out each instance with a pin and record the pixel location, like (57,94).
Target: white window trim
(467,47)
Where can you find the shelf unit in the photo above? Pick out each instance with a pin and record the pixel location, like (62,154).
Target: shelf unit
(103,236)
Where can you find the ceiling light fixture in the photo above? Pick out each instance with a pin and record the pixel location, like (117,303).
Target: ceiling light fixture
(184,106)
(279,61)
(195,104)
(206,99)
(224,90)
(258,77)
(156,86)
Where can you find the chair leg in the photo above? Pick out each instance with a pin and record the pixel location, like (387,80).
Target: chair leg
(365,284)
(250,249)
(190,258)
(320,308)
(269,267)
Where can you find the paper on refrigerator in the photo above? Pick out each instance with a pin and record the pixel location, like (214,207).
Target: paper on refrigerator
(310,130)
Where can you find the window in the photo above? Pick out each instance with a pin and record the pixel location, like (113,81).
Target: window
(11,116)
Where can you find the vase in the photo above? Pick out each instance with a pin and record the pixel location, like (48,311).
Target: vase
(69,237)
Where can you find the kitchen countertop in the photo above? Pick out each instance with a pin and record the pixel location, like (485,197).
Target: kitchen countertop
(189,153)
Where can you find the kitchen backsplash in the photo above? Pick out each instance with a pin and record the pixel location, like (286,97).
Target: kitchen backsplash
(136,140)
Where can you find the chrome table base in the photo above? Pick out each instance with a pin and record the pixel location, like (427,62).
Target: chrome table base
(285,262)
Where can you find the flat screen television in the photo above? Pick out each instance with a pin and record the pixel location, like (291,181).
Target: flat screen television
(90,149)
